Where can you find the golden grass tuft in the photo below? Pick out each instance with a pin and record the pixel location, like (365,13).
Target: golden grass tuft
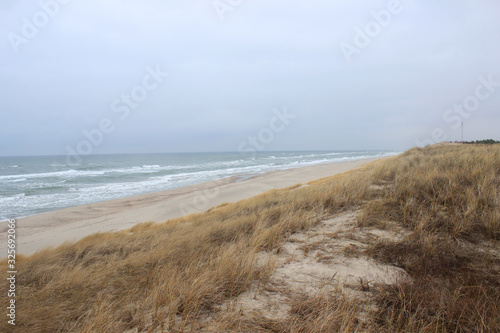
(308,313)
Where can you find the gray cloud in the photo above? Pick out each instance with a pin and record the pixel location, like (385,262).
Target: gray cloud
(226,77)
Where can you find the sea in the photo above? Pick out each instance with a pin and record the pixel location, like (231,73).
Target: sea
(35,184)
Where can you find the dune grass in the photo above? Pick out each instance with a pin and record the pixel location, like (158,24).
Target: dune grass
(173,276)
(449,198)
(164,276)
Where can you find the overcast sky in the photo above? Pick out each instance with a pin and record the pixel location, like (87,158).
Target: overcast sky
(342,74)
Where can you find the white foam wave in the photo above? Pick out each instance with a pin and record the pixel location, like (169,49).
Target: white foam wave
(148,178)
(66,174)
(72,173)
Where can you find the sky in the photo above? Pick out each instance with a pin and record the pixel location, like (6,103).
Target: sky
(129,76)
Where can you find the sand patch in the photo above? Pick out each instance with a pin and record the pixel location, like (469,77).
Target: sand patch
(326,258)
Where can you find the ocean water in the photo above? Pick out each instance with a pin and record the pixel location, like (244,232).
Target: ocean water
(33,185)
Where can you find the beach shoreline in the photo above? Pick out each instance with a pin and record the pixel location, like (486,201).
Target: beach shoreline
(53,228)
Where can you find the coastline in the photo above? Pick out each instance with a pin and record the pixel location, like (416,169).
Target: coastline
(50,229)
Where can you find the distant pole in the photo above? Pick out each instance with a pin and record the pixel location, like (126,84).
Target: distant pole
(462,131)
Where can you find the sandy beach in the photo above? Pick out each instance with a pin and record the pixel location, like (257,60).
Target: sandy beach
(71,224)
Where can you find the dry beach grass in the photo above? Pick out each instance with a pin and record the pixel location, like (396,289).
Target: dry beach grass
(429,219)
